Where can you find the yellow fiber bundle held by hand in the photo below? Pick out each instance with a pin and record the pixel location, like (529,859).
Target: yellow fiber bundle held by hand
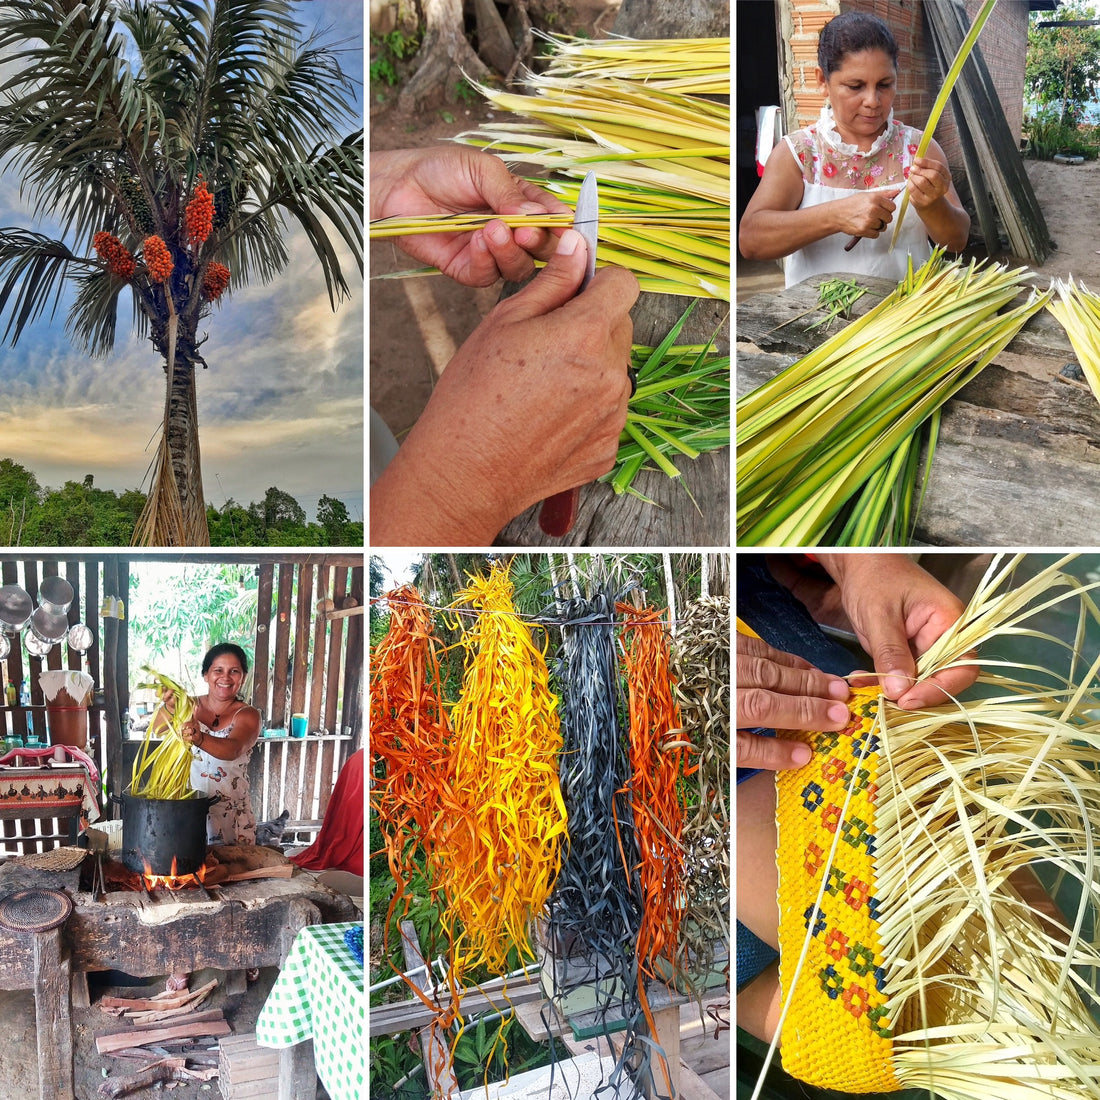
(166,771)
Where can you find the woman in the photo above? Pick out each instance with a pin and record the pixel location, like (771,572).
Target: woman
(222,731)
(839,178)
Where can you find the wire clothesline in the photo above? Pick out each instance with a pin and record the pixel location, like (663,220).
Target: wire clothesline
(536,619)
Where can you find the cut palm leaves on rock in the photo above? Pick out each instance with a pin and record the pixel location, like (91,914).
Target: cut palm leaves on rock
(982,896)
(949,82)
(810,439)
(660,151)
(165,772)
(1077,309)
(680,408)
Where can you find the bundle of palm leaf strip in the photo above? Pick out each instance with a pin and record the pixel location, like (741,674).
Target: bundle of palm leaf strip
(661,153)
(1077,309)
(595,910)
(838,428)
(680,408)
(920,853)
(499,850)
(410,743)
(701,668)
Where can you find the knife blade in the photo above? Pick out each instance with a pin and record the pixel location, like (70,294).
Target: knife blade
(559,512)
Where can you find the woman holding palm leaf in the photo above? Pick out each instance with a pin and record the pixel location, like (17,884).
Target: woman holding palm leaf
(838,180)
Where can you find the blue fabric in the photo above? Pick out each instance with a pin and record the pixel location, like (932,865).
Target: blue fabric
(785,624)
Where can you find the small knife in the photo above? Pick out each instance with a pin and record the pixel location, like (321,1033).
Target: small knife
(559,512)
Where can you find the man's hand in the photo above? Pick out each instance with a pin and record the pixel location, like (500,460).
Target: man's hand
(455,179)
(898,611)
(781,691)
(533,403)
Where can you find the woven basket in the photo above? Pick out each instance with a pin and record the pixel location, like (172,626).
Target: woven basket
(837,1033)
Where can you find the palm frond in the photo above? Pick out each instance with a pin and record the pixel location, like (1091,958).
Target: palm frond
(33,270)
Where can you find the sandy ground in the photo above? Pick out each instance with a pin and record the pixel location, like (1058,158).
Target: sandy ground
(1070,200)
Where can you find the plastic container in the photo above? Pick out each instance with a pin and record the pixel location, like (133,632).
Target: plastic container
(298,725)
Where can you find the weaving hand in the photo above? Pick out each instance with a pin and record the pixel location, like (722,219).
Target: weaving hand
(898,610)
(780,691)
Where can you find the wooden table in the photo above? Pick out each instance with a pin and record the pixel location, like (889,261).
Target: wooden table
(604,519)
(246,924)
(1018,458)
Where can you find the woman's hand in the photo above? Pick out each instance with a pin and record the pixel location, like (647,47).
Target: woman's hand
(533,403)
(864,213)
(459,180)
(781,691)
(929,181)
(190,733)
(898,611)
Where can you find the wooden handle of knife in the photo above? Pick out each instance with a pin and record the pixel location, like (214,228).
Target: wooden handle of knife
(559,512)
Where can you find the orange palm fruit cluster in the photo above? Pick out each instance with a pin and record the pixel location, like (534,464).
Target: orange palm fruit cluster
(108,247)
(157,259)
(198,217)
(215,281)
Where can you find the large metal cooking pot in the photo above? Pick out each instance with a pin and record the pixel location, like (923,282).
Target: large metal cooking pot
(157,830)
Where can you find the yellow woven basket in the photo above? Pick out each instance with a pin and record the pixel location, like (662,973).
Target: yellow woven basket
(837,1032)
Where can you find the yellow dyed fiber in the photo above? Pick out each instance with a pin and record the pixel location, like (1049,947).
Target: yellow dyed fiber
(837,1031)
(502,851)
(165,772)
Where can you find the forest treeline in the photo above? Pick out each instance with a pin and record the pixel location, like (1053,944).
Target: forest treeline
(79,514)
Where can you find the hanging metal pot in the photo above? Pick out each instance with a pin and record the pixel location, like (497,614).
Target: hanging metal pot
(156,831)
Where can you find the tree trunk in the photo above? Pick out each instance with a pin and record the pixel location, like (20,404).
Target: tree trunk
(673,19)
(445,58)
(175,512)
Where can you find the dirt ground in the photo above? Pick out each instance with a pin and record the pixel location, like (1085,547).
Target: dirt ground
(1069,196)
(18,1052)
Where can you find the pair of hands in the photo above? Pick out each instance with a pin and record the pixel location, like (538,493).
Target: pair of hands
(535,400)
(869,213)
(897,611)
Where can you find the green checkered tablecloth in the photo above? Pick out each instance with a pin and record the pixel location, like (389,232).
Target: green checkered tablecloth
(319,993)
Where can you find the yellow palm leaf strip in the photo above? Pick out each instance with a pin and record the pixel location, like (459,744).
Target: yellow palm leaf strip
(500,858)
(165,772)
(658,760)
(410,743)
(702,678)
(1077,309)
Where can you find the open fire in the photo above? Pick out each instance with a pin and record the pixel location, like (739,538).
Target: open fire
(173,880)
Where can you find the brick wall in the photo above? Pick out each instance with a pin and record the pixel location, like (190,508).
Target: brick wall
(1003,44)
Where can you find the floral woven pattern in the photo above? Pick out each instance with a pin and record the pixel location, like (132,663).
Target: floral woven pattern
(837,1032)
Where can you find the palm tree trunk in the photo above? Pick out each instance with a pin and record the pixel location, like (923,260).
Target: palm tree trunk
(175,512)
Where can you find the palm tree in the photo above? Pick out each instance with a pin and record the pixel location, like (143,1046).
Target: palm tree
(115,111)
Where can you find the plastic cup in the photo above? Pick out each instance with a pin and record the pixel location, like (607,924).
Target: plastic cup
(298,724)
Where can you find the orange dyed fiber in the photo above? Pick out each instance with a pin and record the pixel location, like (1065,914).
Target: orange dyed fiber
(501,856)
(658,762)
(409,738)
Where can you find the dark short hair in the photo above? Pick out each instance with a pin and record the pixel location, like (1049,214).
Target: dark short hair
(853,32)
(220,650)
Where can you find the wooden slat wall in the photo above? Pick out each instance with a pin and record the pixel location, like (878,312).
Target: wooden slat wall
(313,665)
(316,662)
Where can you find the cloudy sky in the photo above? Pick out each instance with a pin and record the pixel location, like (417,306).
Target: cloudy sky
(282,402)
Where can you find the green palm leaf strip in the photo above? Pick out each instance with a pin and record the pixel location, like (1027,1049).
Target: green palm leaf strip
(941,101)
(836,430)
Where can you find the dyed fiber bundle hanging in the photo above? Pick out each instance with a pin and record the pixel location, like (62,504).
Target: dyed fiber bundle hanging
(502,850)
(701,670)
(409,740)
(595,910)
(917,946)
(658,764)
